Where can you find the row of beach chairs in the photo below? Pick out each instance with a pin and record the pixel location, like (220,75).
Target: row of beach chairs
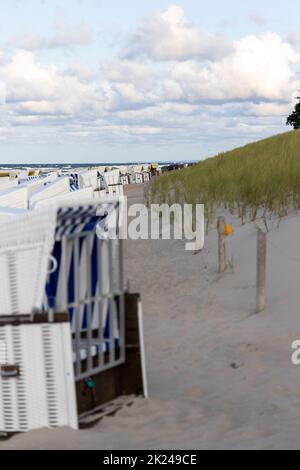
(24,192)
(62,317)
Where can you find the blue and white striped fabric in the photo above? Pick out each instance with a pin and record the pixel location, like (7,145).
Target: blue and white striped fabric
(73,187)
(80,219)
(80,223)
(32,178)
(74,183)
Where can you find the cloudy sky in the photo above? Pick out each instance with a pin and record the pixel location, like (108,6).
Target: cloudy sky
(115,80)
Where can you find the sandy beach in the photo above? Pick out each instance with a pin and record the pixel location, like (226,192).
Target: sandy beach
(220,376)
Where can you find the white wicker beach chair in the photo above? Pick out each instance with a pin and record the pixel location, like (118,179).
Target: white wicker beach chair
(7,184)
(112,177)
(116,190)
(7,213)
(15,197)
(43,395)
(146,176)
(75,196)
(124,179)
(56,188)
(52,177)
(26,243)
(138,178)
(32,185)
(88,179)
(102,194)
(132,175)
(113,184)
(23,175)
(91,223)
(4,179)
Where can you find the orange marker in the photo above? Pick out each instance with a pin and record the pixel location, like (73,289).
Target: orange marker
(227,230)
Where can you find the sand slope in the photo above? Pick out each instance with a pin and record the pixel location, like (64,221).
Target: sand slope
(220,376)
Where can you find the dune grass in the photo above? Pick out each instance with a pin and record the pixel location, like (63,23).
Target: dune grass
(263,177)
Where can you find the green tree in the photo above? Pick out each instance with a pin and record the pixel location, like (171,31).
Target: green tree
(294,118)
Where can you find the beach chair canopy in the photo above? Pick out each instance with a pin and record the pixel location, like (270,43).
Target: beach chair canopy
(27,247)
(16,197)
(112,177)
(55,188)
(88,178)
(87,216)
(7,184)
(81,252)
(73,196)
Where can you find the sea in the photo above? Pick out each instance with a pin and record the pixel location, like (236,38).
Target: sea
(82,165)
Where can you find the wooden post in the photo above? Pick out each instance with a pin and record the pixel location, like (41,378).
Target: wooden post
(147,194)
(221,244)
(261,271)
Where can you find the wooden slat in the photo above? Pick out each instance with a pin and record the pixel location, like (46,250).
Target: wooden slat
(123,380)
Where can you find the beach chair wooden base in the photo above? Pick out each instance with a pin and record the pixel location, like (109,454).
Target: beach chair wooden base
(98,396)
(123,381)
(87,420)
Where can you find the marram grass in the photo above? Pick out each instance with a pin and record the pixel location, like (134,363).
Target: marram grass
(263,177)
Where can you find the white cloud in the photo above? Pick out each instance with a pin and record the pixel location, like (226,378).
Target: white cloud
(280,110)
(294,38)
(126,71)
(193,88)
(64,36)
(170,36)
(83,72)
(34,88)
(126,96)
(128,85)
(257,19)
(259,69)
